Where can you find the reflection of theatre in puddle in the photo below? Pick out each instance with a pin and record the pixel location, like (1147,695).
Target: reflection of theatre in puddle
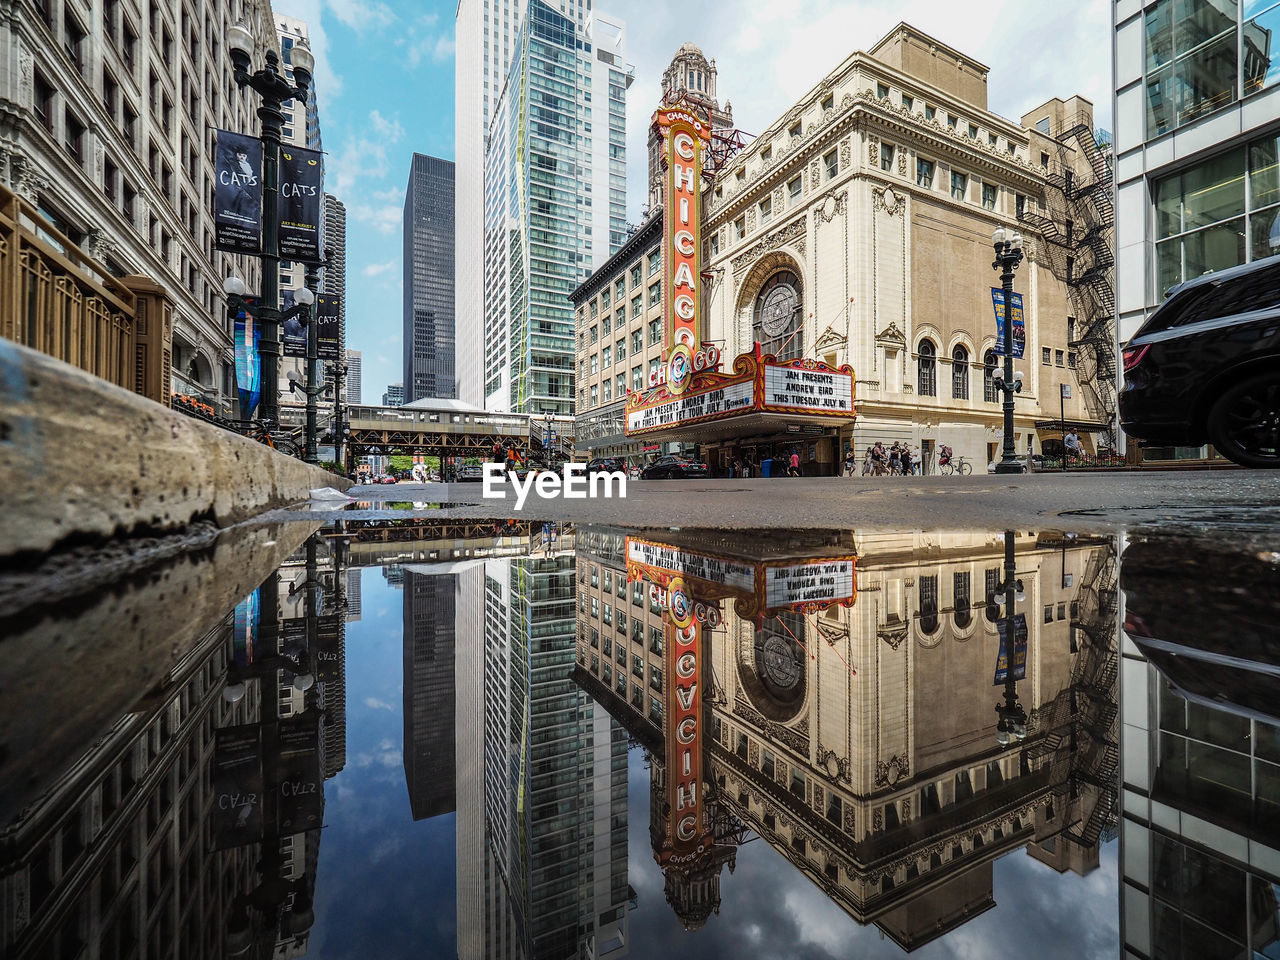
(847,719)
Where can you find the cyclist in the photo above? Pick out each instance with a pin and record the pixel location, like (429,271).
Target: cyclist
(944,455)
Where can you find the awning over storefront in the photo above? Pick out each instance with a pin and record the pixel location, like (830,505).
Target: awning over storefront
(1079,426)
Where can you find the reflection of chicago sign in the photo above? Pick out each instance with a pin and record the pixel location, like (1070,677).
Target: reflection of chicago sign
(758,384)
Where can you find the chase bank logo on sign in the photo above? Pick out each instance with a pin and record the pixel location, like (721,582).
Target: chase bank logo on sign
(575,485)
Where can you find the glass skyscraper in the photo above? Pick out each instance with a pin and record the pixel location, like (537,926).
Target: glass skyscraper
(428,280)
(555,201)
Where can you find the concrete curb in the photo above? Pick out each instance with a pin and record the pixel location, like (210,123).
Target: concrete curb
(82,460)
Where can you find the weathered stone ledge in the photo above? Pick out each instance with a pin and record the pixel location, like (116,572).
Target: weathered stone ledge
(83,461)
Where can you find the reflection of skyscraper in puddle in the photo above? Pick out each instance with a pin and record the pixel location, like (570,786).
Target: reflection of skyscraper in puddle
(140,845)
(847,718)
(1200,834)
(541,773)
(429,721)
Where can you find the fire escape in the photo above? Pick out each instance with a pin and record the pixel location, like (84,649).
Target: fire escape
(1082,723)
(1076,221)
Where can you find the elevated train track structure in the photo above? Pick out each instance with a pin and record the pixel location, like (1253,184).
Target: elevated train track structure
(446,431)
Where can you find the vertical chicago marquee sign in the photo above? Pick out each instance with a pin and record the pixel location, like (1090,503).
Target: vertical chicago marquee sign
(688,833)
(686,137)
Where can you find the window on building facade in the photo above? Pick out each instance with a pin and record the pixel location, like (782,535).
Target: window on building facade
(637,304)
(959,182)
(973,131)
(715,243)
(635,275)
(655,331)
(882,91)
(43,101)
(620,290)
(606,394)
(828,102)
(740,228)
(924,174)
(886,157)
(990,393)
(637,379)
(595,334)
(1046,355)
(605,357)
(605,323)
(989,196)
(832,162)
(620,351)
(595,360)
(952,121)
(908,102)
(793,189)
(961,600)
(766,154)
(1191,60)
(655,261)
(928,604)
(655,293)
(778,316)
(992,139)
(637,341)
(1219,213)
(653,367)
(1057,358)
(927,369)
(960,373)
(930,112)
(604,298)
(620,386)
(766,209)
(1071,359)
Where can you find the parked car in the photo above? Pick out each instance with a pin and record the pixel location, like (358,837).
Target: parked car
(1205,367)
(470,473)
(670,467)
(387,479)
(606,465)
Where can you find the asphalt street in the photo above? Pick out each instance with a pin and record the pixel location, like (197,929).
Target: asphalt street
(1227,501)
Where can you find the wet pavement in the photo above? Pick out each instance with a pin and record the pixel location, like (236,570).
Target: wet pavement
(392,730)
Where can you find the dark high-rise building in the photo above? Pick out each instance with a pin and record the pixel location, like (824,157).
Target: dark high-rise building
(429,693)
(428,280)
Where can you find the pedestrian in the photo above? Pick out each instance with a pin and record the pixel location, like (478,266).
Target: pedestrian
(895,459)
(746,467)
(794,469)
(879,459)
(737,467)
(905,457)
(511,458)
(849,462)
(1072,444)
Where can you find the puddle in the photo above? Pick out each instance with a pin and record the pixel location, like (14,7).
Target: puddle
(600,741)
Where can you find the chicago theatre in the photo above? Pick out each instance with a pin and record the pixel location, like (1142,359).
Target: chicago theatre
(843,257)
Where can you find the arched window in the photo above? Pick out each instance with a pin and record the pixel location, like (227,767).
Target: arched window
(989,391)
(959,373)
(927,369)
(962,601)
(778,317)
(928,604)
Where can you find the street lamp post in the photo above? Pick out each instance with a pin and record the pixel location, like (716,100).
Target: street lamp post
(274,91)
(1011,723)
(1008,256)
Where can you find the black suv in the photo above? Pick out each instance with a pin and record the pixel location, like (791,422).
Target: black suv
(606,465)
(1205,367)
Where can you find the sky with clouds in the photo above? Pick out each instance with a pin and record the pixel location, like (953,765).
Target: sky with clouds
(386,885)
(384,81)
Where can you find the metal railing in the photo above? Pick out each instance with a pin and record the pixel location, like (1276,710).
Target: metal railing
(57,299)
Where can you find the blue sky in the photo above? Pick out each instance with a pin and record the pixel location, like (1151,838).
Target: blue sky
(384,80)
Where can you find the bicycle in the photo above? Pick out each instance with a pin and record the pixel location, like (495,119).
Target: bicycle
(955,465)
(277,440)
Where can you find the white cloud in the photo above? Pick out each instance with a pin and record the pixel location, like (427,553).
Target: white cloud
(373,269)
(770,53)
(328,83)
(362,15)
(387,129)
(373,703)
(384,218)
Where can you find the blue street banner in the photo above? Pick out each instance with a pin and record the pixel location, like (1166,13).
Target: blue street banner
(237,193)
(248,362)
(1019,327)
(247,618)
(1019,650)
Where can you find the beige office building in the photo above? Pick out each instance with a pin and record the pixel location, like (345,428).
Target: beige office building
(857,230)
